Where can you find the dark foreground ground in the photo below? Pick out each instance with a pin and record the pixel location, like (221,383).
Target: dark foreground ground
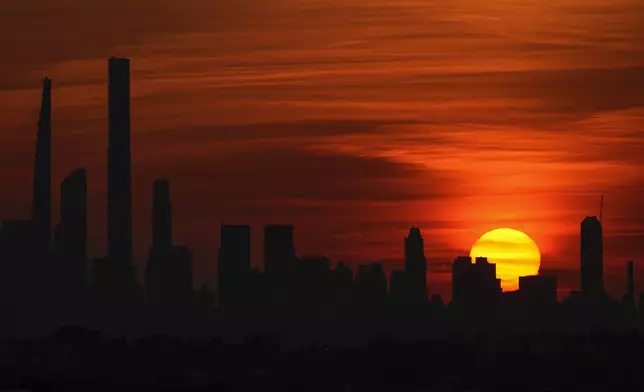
(76,359)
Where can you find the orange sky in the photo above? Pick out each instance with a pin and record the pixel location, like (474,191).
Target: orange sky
(352,119)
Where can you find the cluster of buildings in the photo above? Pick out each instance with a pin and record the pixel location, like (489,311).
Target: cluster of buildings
(38,269)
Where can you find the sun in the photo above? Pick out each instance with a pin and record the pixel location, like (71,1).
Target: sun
(514,253)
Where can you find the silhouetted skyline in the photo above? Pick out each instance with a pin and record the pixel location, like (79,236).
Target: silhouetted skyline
(414,115)
(327,196)
(289,287)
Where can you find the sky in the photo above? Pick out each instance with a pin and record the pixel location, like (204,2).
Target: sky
(351,119)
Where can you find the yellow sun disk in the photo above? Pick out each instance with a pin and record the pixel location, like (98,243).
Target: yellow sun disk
(513,252)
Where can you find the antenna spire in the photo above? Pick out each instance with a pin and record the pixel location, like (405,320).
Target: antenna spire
(601,209)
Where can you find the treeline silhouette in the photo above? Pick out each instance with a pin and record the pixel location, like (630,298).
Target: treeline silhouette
(77,360)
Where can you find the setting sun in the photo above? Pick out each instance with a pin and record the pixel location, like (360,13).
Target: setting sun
(514,253)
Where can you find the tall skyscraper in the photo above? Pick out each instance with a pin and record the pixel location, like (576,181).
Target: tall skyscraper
(119,172)
(279,251)
(71,235)
(116,283)
(161,216)
(416,266)
(234,265)
(592,255)
(41,207)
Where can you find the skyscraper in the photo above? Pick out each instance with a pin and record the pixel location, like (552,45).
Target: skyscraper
(168,274)
(416,266)
(116,283)
(279,260)
(279,252)
(461,268)
(592,254)
(234,265)
(161,216)
(71,235)
(41,207)
(474,283)
(119,173)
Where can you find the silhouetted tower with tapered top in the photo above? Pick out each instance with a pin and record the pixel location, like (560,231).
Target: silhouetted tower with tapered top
(116,283)
(71,236)
(41,207)
(416,266)
(592,254)
(234,266)
(119,171)
(161,216)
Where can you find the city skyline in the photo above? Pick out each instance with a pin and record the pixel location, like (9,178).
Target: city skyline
(168,275)
(571,147)
(119,88)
